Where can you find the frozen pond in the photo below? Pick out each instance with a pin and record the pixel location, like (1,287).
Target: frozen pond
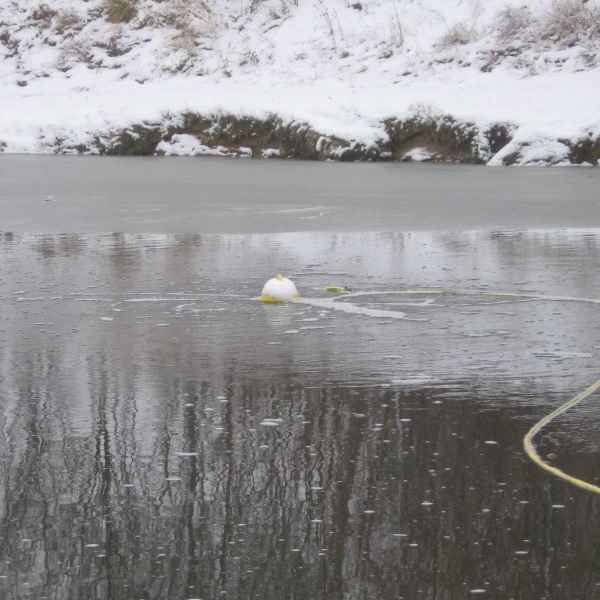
(83,194)
(166,436)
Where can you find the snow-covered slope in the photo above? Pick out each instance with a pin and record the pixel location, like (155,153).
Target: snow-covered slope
(73,72)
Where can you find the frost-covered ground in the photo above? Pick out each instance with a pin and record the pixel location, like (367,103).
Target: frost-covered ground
(69,74)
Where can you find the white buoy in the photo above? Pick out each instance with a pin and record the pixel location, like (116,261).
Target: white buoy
(279,289)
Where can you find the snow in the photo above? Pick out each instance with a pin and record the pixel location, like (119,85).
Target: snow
(340,69)
(533,150)
(418,155)
(554,106)
(271,153)
(187,145)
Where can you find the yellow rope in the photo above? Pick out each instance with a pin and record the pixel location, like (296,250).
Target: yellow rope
(531,451)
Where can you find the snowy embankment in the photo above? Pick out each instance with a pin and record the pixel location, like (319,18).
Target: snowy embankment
(450,80)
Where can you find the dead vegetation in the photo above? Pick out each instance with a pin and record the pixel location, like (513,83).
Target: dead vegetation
(120,11)
(571,21)
(513,22)
(43,14)
(67,22)
(459,34)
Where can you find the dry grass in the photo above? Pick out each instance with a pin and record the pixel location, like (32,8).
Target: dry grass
(512,22)
(458,35)
(67,21)
(120,11)
(72,53)
(571,21)
(43,14)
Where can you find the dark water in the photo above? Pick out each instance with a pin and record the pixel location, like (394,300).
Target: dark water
(163,435)
(395,467)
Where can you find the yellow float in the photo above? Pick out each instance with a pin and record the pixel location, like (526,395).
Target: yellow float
(279,289)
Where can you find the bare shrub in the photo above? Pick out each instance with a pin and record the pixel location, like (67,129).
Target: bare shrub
(186,40)
(284,6)
(570,21)
(44,14)
(120,11)
(11,43)
(512,22)
(72,53)
(184,15)
(397,31)
(190,19)
(67,21)
(115,46)
(458,35)
(194,22)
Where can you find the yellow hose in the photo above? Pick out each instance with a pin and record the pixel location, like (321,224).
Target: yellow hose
(531,451)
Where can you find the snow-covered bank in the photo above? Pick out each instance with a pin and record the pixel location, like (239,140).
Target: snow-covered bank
(450,80)
(535,120)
